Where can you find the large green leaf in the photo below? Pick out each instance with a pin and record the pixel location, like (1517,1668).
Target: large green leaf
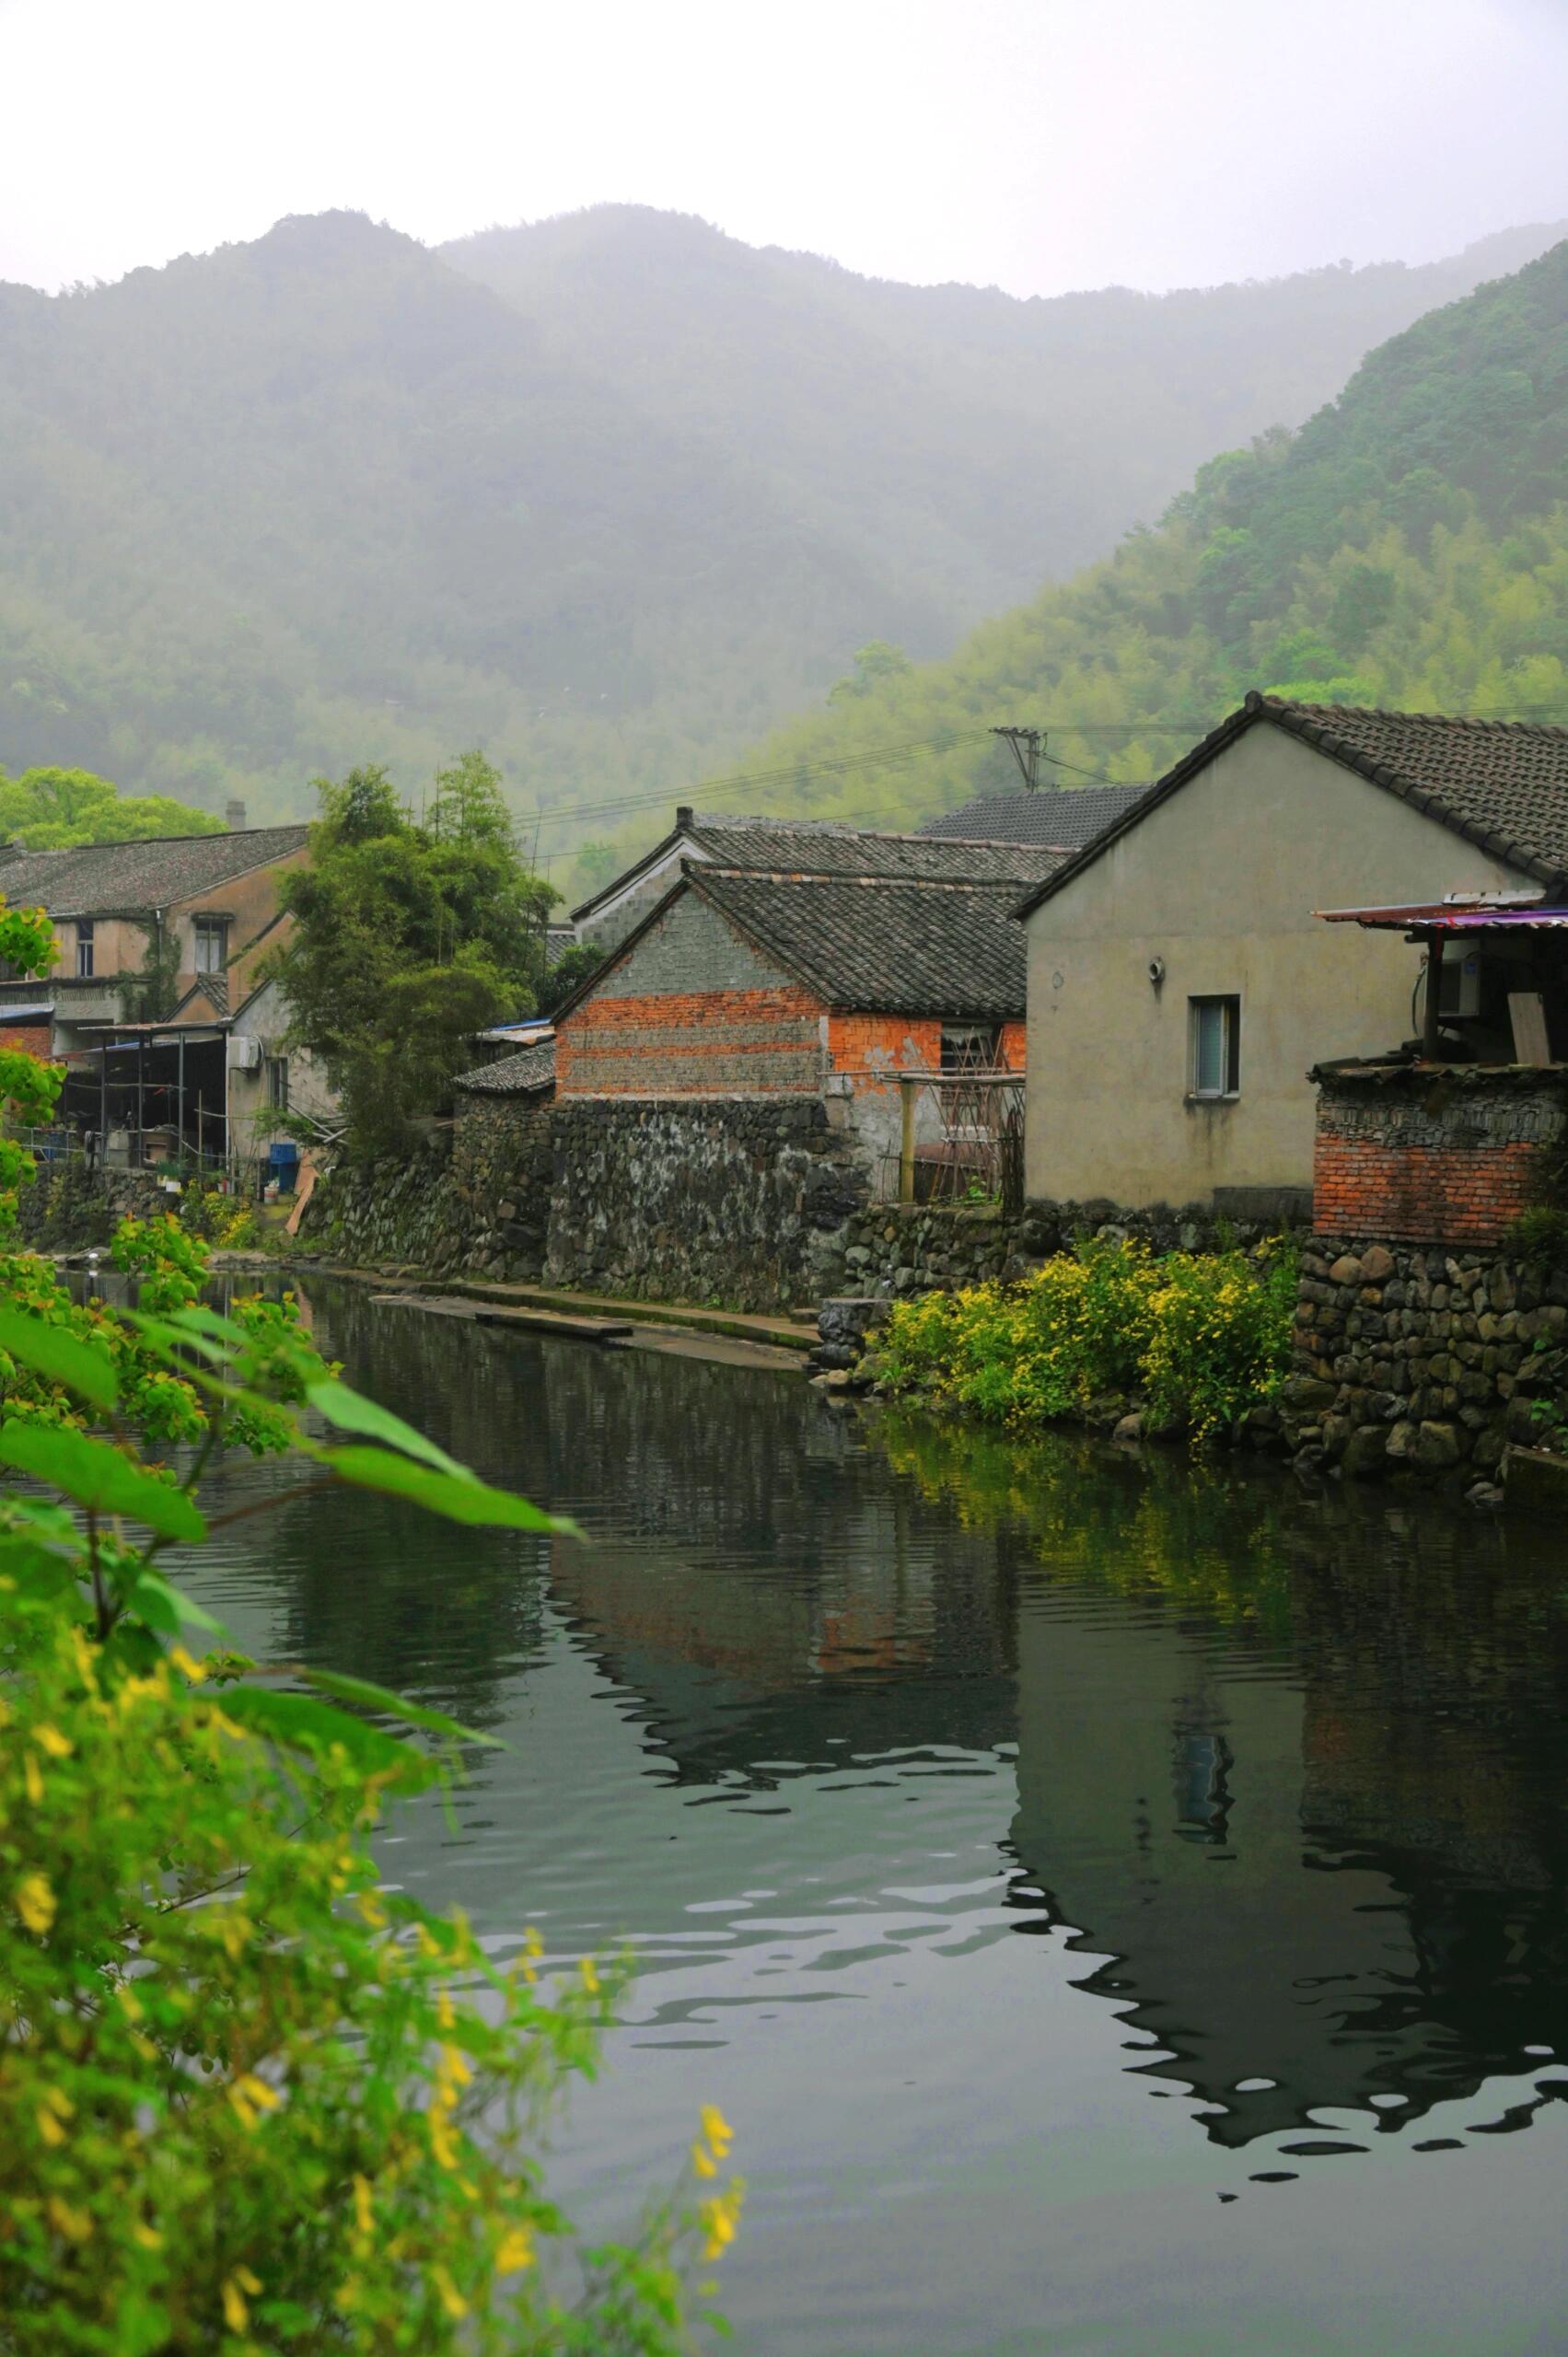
(352,1412)
(458,1499)
(303,1723)
(98,1478)
(60,1357)
(381,1698)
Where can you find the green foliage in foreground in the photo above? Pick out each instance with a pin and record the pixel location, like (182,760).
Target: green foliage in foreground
(250,2101)
(1200,1338)
(408,937)
(50,809)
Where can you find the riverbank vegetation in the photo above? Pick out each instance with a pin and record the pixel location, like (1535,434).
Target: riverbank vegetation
(251,2100)
(1196,1339)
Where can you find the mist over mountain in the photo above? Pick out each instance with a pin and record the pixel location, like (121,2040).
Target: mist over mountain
(1407,547)
(612,495)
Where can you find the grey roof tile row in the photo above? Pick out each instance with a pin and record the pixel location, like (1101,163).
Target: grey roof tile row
(131,880)
(881,945)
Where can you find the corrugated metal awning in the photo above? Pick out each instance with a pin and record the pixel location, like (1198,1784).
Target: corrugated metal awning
(1450,916)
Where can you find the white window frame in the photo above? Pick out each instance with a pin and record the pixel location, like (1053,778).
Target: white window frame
(1229,1005)
(86,948)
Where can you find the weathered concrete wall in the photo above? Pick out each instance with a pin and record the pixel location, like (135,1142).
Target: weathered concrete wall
(1220,882)
(1419,1358)
(1450,1154)
(700,1197)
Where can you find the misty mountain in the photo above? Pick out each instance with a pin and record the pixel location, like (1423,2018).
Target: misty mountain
(611,495)
(1407,547)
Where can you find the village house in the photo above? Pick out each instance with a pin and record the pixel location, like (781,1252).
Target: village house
(828,985)
(173,1041)
(1181,987)
(1049,825)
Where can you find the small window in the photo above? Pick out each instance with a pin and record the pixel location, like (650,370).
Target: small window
(84,947)
(212,945)
(970,1047)
(277,1083)
(1216,1047)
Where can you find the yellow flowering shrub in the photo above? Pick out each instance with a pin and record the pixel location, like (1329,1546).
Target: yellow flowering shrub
(1199,1337)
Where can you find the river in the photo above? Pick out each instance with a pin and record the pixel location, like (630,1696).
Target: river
(1120,1906)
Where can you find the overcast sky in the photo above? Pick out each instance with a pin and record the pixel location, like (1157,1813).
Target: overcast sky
(1038,144)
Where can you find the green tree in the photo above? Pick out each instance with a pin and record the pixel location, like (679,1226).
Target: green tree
(406,940)
(54,809)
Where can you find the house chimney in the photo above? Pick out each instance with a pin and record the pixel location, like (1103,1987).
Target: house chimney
(234,815)
(682,816)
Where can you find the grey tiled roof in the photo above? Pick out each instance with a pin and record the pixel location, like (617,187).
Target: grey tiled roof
(882,945)
(1063,817)
(829,847)
(855,851)
(131,880)
(520,1076)
(1501,784)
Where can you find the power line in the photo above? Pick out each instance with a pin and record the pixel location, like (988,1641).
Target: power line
(908,752)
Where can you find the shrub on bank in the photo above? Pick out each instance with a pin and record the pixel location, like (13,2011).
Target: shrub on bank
(1199,1337)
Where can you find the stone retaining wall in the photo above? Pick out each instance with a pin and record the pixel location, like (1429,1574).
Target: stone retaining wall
(66,1208)
(1449,1154)
(698,1199)
(895,1248)
(1422,1358)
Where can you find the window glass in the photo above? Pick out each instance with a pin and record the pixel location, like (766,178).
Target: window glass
(1208,1077)
(209,946)
(84,946)
(1215,1046)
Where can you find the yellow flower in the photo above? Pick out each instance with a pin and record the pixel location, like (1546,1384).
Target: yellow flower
(33,1779)
(444,2010)
(443,2143)
(716,2129)
(186,1666)
(76,2226)
(703,2162)
(48,2127)
(58,1746)
(36,1903)
(451,2299)
(235,2315)
(251,2097)
(362,2203)
(454,2066)
(515,2249)
(148,2237)
(590,1976)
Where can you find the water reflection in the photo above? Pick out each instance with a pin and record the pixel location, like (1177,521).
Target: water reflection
(824,1715)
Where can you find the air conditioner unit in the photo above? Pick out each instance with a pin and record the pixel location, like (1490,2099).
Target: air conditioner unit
(1459,989)
(245,1052)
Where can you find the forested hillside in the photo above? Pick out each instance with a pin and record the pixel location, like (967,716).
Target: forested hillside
(612,496)
(1409,546)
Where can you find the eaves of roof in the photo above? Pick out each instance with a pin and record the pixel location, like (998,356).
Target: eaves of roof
(1321,738)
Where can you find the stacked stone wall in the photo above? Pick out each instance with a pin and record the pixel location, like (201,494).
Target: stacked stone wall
(475,1203)
(693,1199)
(1422,1357)
(1449,1155)
(68,1206)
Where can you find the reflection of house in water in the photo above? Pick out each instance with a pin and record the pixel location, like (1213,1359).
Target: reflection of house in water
(1342,1872)
(765,1597)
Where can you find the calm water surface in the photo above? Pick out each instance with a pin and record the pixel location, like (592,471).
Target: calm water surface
(1121,1909)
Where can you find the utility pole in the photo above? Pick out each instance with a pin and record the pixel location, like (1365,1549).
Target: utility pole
(1027,745)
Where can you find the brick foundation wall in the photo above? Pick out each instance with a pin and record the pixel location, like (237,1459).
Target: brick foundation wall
(1448,1155)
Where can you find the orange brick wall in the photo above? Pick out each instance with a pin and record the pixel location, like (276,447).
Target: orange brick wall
(1446,1157)
(32,1038)
(699,1043)
(1444,1194)
(863,1044)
